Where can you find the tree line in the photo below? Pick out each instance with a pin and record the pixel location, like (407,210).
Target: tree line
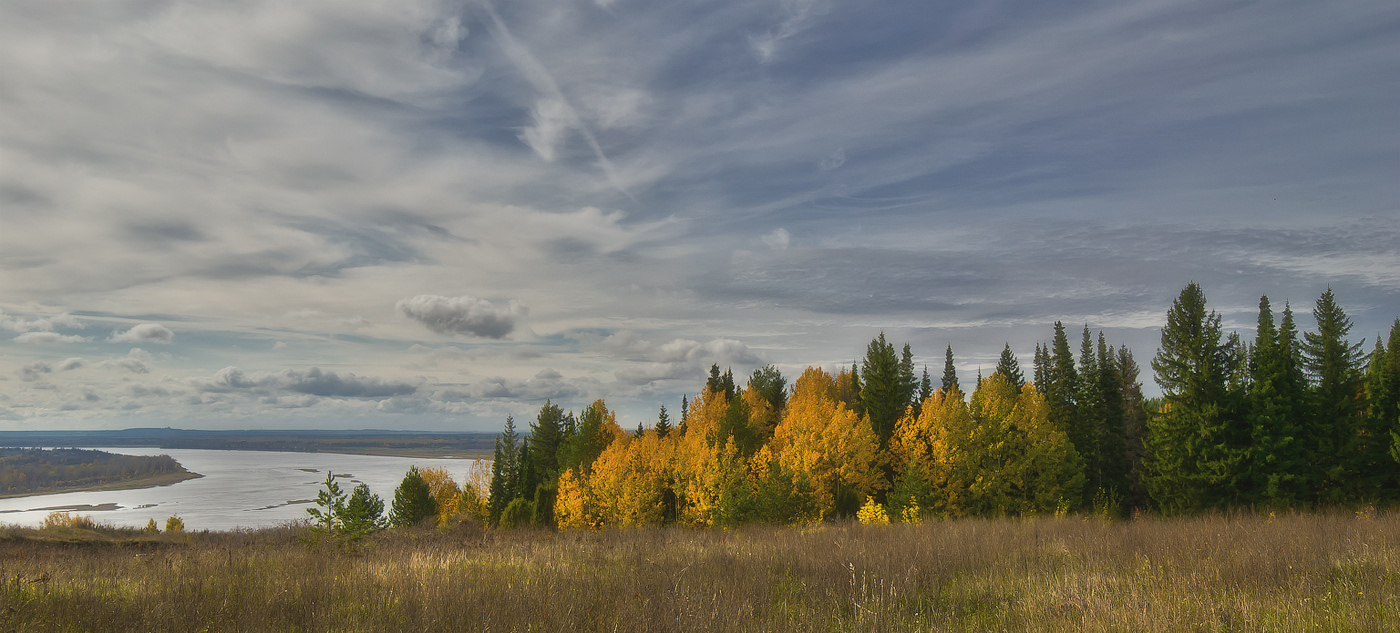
(27,471)
(1286,420)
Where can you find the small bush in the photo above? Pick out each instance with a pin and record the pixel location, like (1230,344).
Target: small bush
(174,524)
(873,513)
(67,520)
(151,527)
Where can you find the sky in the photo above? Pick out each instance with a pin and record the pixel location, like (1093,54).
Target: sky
(432,214)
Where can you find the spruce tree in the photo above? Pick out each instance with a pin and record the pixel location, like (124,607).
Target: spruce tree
(663,423)
(1113,452)
(925,391)
(1062,390)
(950,374)
(1376,427)
(1134,427)
(908,383)
(1333,363)
(1041,366)
(1193,465)
(883,396)
(1089,416)
(1277,462)
(1010,368)
(685,414)
(505,470)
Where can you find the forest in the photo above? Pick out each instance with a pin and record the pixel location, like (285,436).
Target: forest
(29,471)
(1287,420)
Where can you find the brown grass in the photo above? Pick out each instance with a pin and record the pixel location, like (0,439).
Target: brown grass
(1336,572)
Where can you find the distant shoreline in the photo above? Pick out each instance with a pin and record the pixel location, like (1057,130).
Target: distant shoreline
(164,479)
(412,444)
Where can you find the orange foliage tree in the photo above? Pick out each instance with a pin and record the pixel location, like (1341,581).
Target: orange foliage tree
(823,439)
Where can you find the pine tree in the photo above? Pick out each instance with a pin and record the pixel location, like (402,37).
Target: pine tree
(685,414)
(1375,441)
(950,374)
(1010,368)
(663,422)
(1193,465)
(413,501)
(1334,363)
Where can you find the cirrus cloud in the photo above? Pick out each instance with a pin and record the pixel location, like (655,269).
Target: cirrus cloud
(42,338)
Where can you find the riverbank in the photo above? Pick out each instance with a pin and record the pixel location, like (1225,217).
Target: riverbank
(163,479)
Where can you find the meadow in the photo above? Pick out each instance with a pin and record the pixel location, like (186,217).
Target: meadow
(1237,572)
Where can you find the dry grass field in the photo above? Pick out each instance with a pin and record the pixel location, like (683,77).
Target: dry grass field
(1295,572)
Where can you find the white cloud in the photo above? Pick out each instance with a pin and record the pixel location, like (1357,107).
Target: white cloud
(50,337)
(778,239)
(34,371)
(145,333)
(463,315)
(71,364)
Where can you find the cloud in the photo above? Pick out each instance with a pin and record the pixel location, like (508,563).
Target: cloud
(682,358)
(463,315)
(314,382)
(145,333)
(778,240)
(37,324)
(71,364)
(34,371)
(41,338)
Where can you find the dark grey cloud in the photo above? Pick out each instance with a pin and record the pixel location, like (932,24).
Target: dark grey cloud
(463,315)
(34,371)
(314,382)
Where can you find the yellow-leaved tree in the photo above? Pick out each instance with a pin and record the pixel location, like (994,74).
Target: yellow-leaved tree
(928,450)
(444,491)
(630,480)
(823,439)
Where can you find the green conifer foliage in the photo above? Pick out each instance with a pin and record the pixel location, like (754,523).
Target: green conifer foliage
(1278,467)
(950,374)
(1193,466)
(1334,366)
(884,394)
(1010,368)
(413,502)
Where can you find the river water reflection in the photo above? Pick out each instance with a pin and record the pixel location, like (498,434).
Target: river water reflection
(239,489)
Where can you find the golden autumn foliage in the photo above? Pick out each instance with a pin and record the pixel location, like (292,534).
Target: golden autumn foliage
(444,491)
(630,478)
(823,439)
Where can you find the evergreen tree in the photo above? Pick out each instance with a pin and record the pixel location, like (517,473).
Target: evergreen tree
(883,394)
(721,383)
(1089,418)
(950,374)
(413,501)
(1134,427)
(908,383)
(1375,442)
(505,470)
(1062,390)
(1277,462)
(592,437)
(925,391)
(546,435)
(770,384)
(663,422)
(1113,451)
(363,514)
(685,414)
(1010,368)
(1042,368)
(1193,466)
(1334,365)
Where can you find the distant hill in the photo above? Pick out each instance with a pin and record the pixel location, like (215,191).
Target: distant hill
(360,442)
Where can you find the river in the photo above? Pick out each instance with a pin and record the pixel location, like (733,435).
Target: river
(239,489)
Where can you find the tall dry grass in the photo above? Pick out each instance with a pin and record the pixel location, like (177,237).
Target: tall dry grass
(1336,572)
